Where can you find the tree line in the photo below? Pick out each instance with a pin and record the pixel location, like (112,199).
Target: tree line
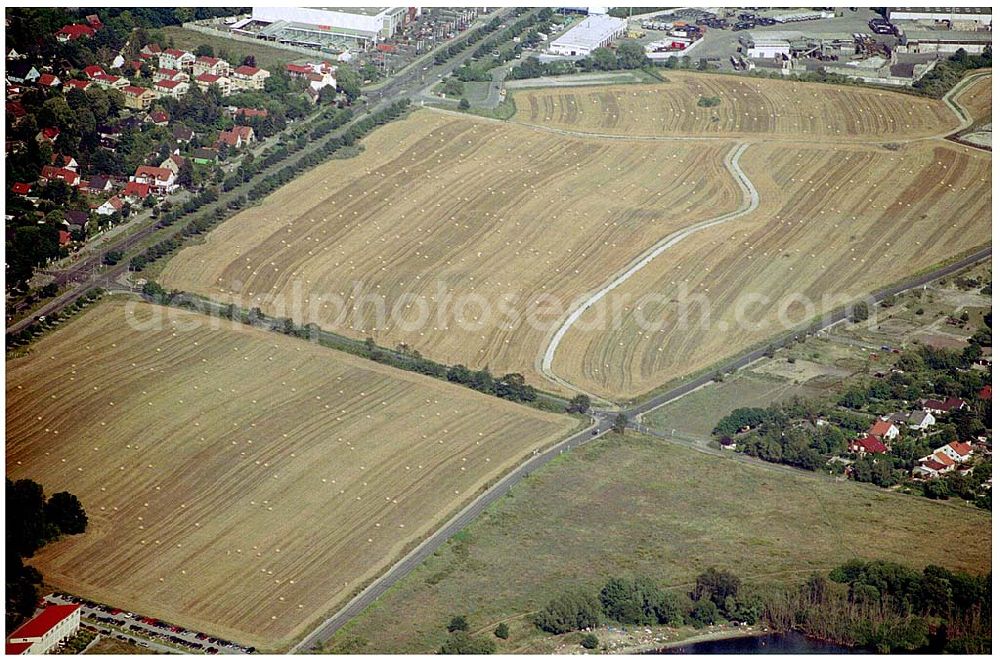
(32,522)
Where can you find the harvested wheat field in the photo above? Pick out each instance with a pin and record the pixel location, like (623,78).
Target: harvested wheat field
(469,230)
(977,98)
(237,481)
(837,223)
(748,107)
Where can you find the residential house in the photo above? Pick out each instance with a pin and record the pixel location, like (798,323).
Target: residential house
(182,134)
(162,180)
(17,110)
(65,238)
(171,88)
(884,430)
(22,72)
(135,192)
(111,206)
(138,98)
(867,445)
(933,466)
(111,82)
(318,81)
(173,58)
(21,188)
(956,451)
(204,156)
(151,49)
(48,134)
(98,184)
(53,173)
(947,406)
(249,113)
(236,137)
(252,78)
(74,84)
(94,70)
(206,80)
(213,65)
(67,162)
(298,70)
(157,118)
(170,74)
(77,220)
(74,31)
(14,55)
(49,80)
(986,393)
(94,21)
(173,162)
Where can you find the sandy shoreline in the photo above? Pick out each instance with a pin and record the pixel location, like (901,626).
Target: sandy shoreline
(659,638)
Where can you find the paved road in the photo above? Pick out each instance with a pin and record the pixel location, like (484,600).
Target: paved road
(600,425)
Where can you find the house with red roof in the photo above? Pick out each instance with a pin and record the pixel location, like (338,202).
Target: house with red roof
(110,82)
(986,393)
(53,173)
(49,80)
(158,118)
(65,238)
(884,430)
(236,137)
(43,633)
(135,192)
(21,188)
(251,112)
(933,466)
(49,134)
(251,78)
(75,84)
(947,406)
(74,31)
(162,180)
(867,445)
(206,80)
(94,70)
(111,206)
(138,98)
(173,58)
(151,49)
(213,65)
(956,451)
(172,88)
(298,70)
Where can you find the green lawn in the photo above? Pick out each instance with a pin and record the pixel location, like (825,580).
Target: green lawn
(637,505)
(272,59)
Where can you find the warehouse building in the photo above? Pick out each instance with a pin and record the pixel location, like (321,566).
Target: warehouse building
(977,15)
(595,31)
(943,41)
(326,27)
(762,46)
(42,633)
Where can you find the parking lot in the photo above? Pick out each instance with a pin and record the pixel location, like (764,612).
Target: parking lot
(147,631)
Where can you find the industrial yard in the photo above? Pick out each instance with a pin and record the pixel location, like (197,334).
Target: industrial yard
(237,481)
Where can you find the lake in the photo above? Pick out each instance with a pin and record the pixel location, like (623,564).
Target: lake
(775,643)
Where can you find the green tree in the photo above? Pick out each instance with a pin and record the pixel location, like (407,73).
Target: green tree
(502,631)
(458,623)
(620,423)
(461,642)
(589,641)
(631,55)
(860,311)
(65,511)
(464,104)
(579,404)
(704,613)
(571,611)
(603,59)
(349,83)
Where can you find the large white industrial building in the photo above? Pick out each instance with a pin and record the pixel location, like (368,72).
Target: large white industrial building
(595,31)
(357,27)
(764,46)
(980,15)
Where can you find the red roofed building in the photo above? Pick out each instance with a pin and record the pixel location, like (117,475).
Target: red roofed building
(49,80)
(298,70)
(74,31)
(947,406)
(236,137)
(158,118)
(986,392)
(251,112)
(956,451)
(206,80)
(49,134)
(20,188)
(867,445)
(213,65)
(135,192)
(93,70)
(173,88)
(45,631)
(52,173)
(251,78)
(81,85)
(64,238)
(138,98)
(884,429)
(162,179)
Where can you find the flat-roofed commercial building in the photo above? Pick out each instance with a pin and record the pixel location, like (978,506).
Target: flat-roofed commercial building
(595,31)
(360,27)
(981,15)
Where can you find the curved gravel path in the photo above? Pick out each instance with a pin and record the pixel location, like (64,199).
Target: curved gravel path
(751,200)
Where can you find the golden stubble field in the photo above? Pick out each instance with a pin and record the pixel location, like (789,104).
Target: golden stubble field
(831,222)
(749,108)
(977,98)
(442,209)
(238,481)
